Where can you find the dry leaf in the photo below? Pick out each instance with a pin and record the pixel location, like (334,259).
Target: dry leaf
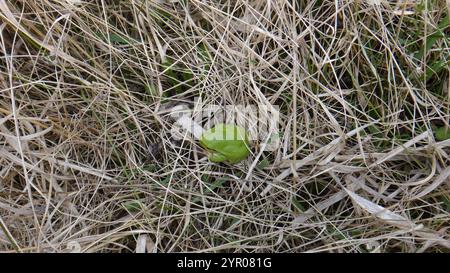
(397,220)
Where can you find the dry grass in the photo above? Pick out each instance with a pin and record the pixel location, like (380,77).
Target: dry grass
(88,163)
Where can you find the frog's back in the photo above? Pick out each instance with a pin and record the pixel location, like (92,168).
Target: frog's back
(223,132)
(236,152)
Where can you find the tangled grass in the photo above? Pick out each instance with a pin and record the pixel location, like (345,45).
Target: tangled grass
(88,162)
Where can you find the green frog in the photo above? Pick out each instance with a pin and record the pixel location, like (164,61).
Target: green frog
(225,142)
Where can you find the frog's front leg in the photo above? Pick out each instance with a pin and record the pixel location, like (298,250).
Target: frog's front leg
(217,157)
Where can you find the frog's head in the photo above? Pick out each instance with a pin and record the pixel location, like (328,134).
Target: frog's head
(226,142)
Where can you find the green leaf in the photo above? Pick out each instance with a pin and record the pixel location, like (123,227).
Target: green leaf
(433,38)
(113,38)
(132,206)
(436,67)
(442,133)
(446,203)
(298,205)
(263,163)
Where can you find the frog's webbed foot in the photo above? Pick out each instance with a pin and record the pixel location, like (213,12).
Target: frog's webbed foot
(216,157)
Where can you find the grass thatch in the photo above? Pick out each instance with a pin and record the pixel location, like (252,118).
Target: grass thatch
(88,162)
